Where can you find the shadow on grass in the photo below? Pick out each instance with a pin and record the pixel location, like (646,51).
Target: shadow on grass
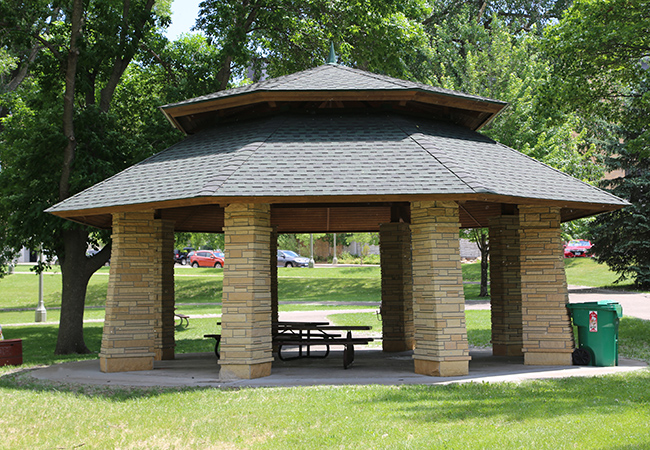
(329,289)
(607,395)
(633,338)
(39,343)
(198,289)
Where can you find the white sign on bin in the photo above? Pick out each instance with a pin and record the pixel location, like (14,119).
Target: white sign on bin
(593,321)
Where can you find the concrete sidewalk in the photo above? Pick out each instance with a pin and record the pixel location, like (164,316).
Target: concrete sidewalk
(371,366)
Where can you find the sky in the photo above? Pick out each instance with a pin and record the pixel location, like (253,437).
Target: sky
(184,14)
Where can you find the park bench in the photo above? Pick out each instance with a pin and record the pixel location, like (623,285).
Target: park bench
(183,317)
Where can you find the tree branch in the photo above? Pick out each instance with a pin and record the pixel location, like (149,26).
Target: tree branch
(121,63)
(68,100)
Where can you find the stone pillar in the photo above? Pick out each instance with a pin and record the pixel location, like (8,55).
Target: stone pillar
(274,279)
(396,287)
(505,285)
(246,341)
(164,289)
(441,347)
(132,304)
(546,328)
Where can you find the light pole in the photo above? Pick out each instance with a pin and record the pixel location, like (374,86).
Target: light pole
(41,313)
(311,247)
(334,260)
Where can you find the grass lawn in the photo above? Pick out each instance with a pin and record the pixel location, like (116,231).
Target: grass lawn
(590,413)
(594,413)
(587,413)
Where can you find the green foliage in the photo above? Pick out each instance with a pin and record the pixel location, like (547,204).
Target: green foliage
(285,36)
(496,61)
(601,64)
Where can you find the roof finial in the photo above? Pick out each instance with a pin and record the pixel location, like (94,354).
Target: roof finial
(332,57)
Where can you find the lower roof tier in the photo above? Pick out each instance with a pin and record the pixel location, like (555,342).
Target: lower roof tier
(370,158)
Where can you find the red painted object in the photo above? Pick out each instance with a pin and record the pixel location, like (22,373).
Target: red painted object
(577,248)
(207,258)
(11,352)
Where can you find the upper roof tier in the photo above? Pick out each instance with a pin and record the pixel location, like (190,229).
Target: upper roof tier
(332,86)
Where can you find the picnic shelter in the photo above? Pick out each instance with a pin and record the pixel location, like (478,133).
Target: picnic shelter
(329,150)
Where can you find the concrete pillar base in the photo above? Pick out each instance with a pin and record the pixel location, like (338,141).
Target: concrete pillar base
(441,368)
(547,359)
(110,365)
(507,350)
(244,371)
(398,346)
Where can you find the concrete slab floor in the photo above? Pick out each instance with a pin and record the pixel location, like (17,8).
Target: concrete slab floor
(371,367)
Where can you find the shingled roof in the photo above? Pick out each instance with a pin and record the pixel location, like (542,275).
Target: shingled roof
(341,86)
(334,157)
(320,152)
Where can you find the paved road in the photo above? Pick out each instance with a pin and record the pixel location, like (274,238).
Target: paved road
(634,304)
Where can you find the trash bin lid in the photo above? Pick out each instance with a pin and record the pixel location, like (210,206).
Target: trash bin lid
(601,305)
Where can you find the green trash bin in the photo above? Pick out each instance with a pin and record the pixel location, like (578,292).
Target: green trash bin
(597,324)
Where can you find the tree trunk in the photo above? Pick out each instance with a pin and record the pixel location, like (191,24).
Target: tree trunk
(480,236)
(76,270)
(484,273)
(73,295)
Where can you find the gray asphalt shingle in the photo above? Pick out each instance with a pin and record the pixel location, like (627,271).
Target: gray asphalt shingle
(341,155)
(331,77)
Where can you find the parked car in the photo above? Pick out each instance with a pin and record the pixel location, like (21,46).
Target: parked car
(182,256)
(287,258)
(206,258)
(578,247)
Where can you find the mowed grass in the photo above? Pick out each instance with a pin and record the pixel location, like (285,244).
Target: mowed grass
(590,413)
(586,413)
(199,291)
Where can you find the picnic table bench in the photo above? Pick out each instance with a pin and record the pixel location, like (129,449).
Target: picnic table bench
(311,334)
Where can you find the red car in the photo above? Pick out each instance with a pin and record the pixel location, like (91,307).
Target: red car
(207,258)
(576,248)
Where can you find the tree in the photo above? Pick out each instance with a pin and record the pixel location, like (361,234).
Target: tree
(285,36)
(492,57)
(365,240)
(601,54)
(519,15)
(480,236)
(60,135)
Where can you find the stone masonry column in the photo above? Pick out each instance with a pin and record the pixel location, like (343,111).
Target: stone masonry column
(396,287)
(274,276)
(505,286)
(546,328)
(164,289)
(133,306)
(441,347)
(246,340)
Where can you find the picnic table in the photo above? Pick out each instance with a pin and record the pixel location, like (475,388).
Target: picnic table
(308,334)
(305,335)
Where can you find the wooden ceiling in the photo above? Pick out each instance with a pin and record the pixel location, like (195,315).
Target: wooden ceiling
(324,217)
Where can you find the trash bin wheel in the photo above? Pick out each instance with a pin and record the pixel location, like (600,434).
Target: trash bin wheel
(581,357)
